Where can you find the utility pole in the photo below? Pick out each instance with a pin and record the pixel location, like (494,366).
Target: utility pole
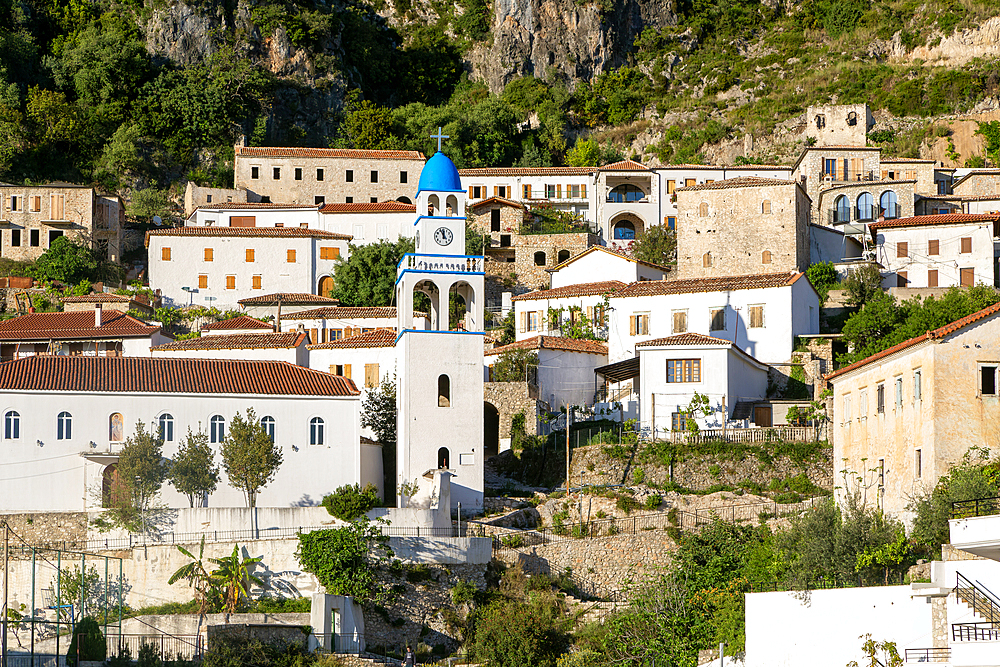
(569,424)
(6,586)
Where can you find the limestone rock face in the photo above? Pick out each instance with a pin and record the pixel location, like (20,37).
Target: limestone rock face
(960,47)
(182,33)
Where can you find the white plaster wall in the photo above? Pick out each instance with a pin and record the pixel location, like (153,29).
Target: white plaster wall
(830,245)
(369,228)
(581,205)
(265,216)
(983,206)
(74,483)
(293,355)
(567,378)
(917,262)
(139,347)
(290,322)
(357,357)
(786,314)
(600,266)
(825,628)
(229,258)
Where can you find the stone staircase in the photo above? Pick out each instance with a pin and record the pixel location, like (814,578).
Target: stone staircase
(984,605)
(590,611)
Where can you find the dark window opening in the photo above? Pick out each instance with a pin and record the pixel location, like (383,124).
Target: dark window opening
(402,177)
(444,458)
(374,177)
(444,391)
(34,238)
(988,380)
(277,173)
(319,174)
(349,176)
(298,173)
(495,220)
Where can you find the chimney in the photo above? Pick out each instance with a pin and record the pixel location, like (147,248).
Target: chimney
(97,315)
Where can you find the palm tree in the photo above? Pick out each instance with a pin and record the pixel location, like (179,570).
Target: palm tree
(233,578)
(197,576)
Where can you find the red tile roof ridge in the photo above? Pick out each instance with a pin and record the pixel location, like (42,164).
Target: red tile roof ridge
(624,165)
(169,375)
(527,171)
(689,338)
(498,200)
(377,338)
(578,289)
(294,151)
(257,341)
(248,232)
(342,312)
(238,322)
(287,298)
(249,206)
(73,325)
(738,182)
(98,296)
(390,206)
(542,342)
(936,219)
(934,334)
(713,284)
(595,248)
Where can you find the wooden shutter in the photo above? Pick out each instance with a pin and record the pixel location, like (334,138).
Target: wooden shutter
(57,206)
(243,221)
(967,244)
(523,326)
(934,247)
(590,313)
(250,254)
(903,249)
(901,278)
(230,282)
(543,321)
(256,282)
(631,324)
(313,336)
(203,281)
(932,278)
(527,191)
(347,371)
(371,375)
(291,256)
(470,192)
(644,324)
(559,191)
(165,254)
(209,254)
(885,174)
(968,277)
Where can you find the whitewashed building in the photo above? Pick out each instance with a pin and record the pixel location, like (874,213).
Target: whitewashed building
(368,223)
(94,332)
(938,250)
(287,347)
(545,311)
(599,264)
(334,323)
(219,266)
(65,420)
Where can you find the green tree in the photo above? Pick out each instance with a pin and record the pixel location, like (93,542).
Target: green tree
(822,276)
(88,642)
(150,202)
(233,578)
(193,471)
(475,242)
(656,245)
(141,471)
(515,366)
(349,502)
(512,633)
(368,126)
(347,561)
(67,261)
(368,276)
(585,153)
(862,284)
(878,654)
(249,456)
(990,132)
(378,412)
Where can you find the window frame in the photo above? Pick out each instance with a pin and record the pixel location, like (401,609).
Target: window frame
(317,431)
(880,398)
(166,419)
(216,429)
(750,316)
(12,418)
(683,371)
(64,426)
(980,371)
(714,313)
(268,423)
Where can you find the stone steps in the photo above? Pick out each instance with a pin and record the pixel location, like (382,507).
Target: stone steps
(593,611)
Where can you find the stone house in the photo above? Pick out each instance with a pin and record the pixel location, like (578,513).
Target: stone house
(938,250)
(196,196)
(120,302)
(904,416)
(928,180)
(742,226)
(941,205)
(865,202)
(673,176)
(628,201)
(533,311)
(839,124)
(820,167)
(317,176)
(32,217)
(978,183)
(568,189)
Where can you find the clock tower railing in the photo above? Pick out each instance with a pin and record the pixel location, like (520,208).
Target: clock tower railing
(450,263)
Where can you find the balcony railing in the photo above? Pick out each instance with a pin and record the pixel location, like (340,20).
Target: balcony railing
(838,216)
(458,263)
(936,654)
(965,509)
(866,213)
(974,632)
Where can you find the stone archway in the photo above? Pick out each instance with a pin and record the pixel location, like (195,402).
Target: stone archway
(625,227)
(491,430)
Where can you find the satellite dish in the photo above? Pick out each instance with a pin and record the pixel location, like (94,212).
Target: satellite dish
(157,220)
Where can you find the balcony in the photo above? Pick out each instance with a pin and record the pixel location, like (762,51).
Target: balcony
(866,213)
(439,263)
(975,527)
(937,654)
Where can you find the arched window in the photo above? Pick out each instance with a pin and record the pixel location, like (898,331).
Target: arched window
(64,426)
(267,423)
(563,256)
(626,193)
(706,260)
(444,391)
(842,209)
(624,231)
(316,431)
(765,207)
(404,200)
(116,427)
(703,209)
(444,457)
(217,432)
(866,206)
(765,257)
(111,487)
(539,258)
(166,427)
(12,425)
(888,204)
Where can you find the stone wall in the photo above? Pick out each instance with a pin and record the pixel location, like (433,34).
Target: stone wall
(534,275)
(826,200)
(46,527)
(73,206)
(509,398)
(979,185)
(830,125)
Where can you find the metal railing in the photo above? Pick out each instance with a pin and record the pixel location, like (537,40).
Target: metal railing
(965,509)
(340,642)
(753,434)
(983,602)
(866,213)
(974,632)
(187,647)
(936,654)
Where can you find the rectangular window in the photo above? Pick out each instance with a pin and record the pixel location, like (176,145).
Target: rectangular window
(881,473)
(335,334)
(966,244)
(902,249)
(847,408)
(932,278)
(532,321)
(678,421)
(967,277)
(862,404)
(671,222)
(250,255)
(209,254)
(319,174)
(33,236)
(298,173)
(374,177)
(165,254)
(36,204)
(829,167)
(15,202)
(717,317)
(917,386)
(327,252)
(550,192)
(671,186)
(901,278)
(680,320)
(349,176)
(15,238)
(203,281)
(683,370)
(402,177)
(290,257)
(373,200)
(495,220)
(899,392)
(371,376)
(230,282)
(918,464)
(319,200)
(756,317)
(276,173)
(349,200)
(688,182)
(57,205)
(526,191)
(256,282)
(255,172)
(988,380)
(880,399)
(638,324)
(208,198)
(243,221)
(53,235)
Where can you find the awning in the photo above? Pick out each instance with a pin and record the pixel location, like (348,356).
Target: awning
(620,371)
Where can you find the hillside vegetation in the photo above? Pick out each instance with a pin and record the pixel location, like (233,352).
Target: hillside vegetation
(141,95)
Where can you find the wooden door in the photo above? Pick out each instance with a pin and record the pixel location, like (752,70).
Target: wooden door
(762,415)
(968,277)
(243,221)
(326,286)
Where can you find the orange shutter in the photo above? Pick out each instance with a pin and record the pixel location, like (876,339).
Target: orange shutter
(230,282)
(165,254)
(291,256)
(209,254)
(256,282)
(249,254)
(203,281)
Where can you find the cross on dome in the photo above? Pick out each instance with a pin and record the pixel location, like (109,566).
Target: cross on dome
(439,136)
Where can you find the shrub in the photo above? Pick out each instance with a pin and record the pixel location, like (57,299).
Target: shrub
(462,592)
(627,503)
(148,656)
(639,475)
(87,643)
(653,502)
(349,502)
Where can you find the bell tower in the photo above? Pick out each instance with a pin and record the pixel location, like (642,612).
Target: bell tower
(440,394)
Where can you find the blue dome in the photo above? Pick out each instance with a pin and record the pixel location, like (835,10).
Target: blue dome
(439,175)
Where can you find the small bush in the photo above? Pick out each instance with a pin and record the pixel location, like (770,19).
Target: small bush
(639,475)
(149,656)
(627,503)
(418,573)
(653,502)
(512,541)
(351,501)
(463,592)
(88,642)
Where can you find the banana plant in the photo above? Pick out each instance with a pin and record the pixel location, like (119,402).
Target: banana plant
(197,576)
(233,578)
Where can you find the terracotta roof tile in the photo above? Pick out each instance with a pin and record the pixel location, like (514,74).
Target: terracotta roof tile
(287,299)
(581,289)
(377,338)
(249,232)
(553,343)
(275,151)
(883,160)
(722,284)
(342,313)
(74,325)
(738,182)
(930,335)
(624,165)
(245,206)
(498,200)
(527,171)
(102,297)
(938,219)
(239,322)
(260,341)
(685,339)
(369,207)
(750,167)
(164,375)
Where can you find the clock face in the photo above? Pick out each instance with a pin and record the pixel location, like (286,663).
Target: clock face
(443,236)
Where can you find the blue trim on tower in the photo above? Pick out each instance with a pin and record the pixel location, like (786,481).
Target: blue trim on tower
(438,331)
